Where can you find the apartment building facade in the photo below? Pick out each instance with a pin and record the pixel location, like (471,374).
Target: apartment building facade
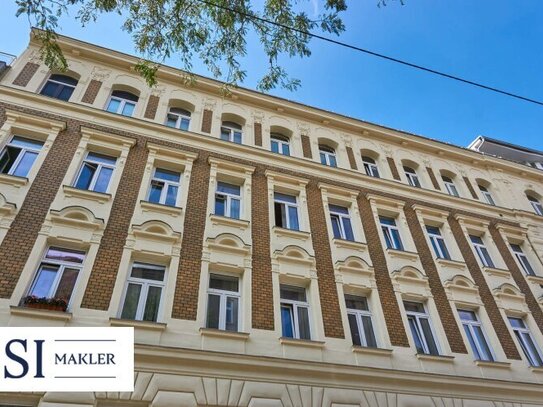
(267,253)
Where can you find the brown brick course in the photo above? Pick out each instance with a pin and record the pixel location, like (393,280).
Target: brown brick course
(441,301)
(151,108)
(207,119)
(470,188)
(393,168)
(92,91)
(185,302)
(261,285)
(433,178)
(258,134)
(306,146)
(352,160)
(331,313)
(106,265)
(26,74)
(387,296)
(489,302)
(517,274)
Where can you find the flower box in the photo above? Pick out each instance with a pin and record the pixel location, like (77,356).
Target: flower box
(51,304)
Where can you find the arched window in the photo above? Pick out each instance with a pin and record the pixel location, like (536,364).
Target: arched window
(411,175)
(328,155)
(449,184)
(536,204)
(486,193)
(122,102)
(231,131)
(178,118)
(59,87)
(370,166)
(280,144)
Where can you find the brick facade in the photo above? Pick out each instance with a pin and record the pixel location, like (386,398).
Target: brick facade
(352,160)
(433,178)
(470,188)
(258,134)
(106,265)
(306,146)
(151,108)
(393,168)
(26,74)
(187,287)
(91,92)
(207,120)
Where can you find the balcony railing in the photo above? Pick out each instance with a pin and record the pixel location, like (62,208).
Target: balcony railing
(5,61)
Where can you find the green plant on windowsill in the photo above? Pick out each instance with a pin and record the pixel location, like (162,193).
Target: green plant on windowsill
(53,304)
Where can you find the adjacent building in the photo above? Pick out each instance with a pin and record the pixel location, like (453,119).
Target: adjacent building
(267,253)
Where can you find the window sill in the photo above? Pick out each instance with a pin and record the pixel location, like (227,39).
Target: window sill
(537,369)
(497,272)
(535,279)
(494,364)
(147,206)
(86,194)
(218,333)
(366,350)
(350,244)
(231,222)
(301,342)
(40,313)
(435,358)
(403,254)
(13,180)
(451,263)
(295,234)
(150,326)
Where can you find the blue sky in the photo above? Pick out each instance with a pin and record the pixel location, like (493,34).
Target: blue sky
(496,42)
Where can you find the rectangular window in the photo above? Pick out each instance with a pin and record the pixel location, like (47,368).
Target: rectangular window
(286,211)
(143,293)
(438,243)
(223,298)
(19,155)
(57,274)
(451,188)
(95,173)
(228,200)
(482,251)
(391,233)
(421,329)
(475,335)
(341,222)
(522,259)
(294,313)
(526,341)
(164,187)
(360,321)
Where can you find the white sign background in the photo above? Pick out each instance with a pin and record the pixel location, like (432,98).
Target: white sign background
(117,376)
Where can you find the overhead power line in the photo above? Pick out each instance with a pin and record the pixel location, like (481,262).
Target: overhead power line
(375,54)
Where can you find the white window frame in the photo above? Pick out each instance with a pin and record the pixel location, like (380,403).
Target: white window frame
(418,316)
(327,152)
(286,205)
(122,103)
(370,168)
(486,193)
(165,188)
(67,85)
(529,352)
(358,313)
(99,167)
(536,205)
(521,255)
(21,153)
(179,116)
(435,244)
(294,305)
(223,295)
(412,177)
(478,248)
(341,216)
(281,141)
(229,198)
(470,325)
(450,186)
(388,233)
(145,283)
(231,131)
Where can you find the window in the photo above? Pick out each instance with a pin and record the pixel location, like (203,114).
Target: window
(482,251)
(57,274)
(370,167)
(538,208)
(95,173)
(328,155)
(391,233)
(438,243)
(143,292)
(475,335)
(419,324)
(122,102)
(522,259)
(487,195)
(449,184)
(59,87)
(294,313)
(227,200)
(526,341)
(341,222)
(360,321)
(19,156)
(231,131)
(164,187)
(286,211)
(223,302)
(280,144)
(412,177)
(178,118)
